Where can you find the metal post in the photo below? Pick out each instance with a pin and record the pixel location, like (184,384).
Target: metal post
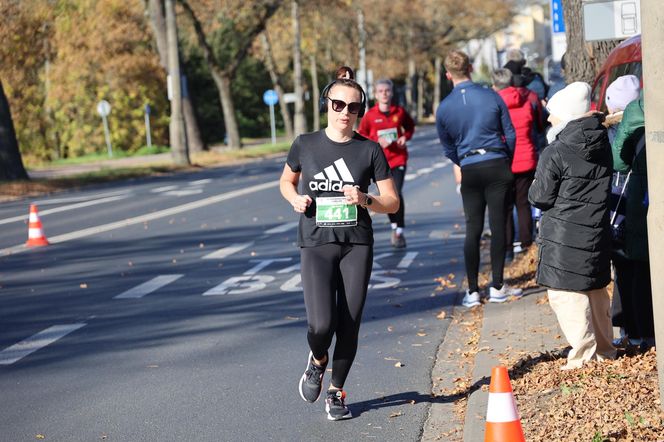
(652,40)
(107,135)
(148,136)
(273,129)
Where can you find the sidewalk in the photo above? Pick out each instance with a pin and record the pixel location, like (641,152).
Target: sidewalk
(511,331)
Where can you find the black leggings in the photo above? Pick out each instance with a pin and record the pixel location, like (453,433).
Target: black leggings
(398,175)
(485,184)
(335,278)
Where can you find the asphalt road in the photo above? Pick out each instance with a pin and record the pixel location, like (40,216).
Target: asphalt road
(170,309)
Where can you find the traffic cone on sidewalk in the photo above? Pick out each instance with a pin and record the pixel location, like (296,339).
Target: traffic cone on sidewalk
(36,235)
(502,418)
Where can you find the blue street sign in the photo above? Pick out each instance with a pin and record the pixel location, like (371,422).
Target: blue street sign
(270,97)
(557,19)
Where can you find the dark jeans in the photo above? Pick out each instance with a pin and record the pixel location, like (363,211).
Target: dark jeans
(398,175)
(522,182)
(483,184)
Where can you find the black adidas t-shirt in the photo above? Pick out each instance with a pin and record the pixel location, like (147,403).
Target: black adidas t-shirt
(326,166)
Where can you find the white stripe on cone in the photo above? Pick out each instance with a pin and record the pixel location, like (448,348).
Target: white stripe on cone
(501,408)
(33,217)
(35,233)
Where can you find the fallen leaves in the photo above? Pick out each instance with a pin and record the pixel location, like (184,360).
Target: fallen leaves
(607,401)
(441,315)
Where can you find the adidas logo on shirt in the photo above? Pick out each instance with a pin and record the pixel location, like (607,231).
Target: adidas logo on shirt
(332,178)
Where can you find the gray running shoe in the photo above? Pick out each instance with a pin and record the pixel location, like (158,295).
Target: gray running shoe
(312,380)
(397,241)
(335,405)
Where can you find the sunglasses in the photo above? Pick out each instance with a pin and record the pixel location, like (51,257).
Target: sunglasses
(338,106)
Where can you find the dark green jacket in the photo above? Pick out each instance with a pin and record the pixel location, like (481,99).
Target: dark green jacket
(631,130)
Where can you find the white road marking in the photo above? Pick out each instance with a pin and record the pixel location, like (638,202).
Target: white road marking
(385,282)
(410,176)
(282,228)
(148,287)
(262,263)
(407,260)
(381,256)
(227,251)
(163,189)
(441,164)
(79,198)
(289,269)
(200,182)
(65,208)
(30,345)
(184,192)
(147,217)
(425,170)
(238,285)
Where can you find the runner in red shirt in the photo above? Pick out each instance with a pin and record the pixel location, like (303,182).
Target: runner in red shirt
(391,127)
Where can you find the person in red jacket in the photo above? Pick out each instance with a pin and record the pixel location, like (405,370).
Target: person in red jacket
(524,163)
(390,126)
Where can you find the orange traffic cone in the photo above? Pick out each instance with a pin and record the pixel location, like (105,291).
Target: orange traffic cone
(36,235)
(502,418)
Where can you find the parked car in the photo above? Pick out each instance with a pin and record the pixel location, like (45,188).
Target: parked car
(624,59)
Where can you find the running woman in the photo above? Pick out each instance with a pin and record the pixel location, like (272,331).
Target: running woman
(334,168)
(391,126)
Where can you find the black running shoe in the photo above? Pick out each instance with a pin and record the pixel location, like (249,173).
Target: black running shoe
(335,405)
(312,380)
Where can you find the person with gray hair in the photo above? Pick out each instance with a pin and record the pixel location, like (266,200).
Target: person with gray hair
(391,126)
(501,78)
(524,161)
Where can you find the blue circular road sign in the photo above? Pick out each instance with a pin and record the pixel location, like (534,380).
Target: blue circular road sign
(270,97)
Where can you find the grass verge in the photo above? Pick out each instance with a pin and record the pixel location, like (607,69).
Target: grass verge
(12,190)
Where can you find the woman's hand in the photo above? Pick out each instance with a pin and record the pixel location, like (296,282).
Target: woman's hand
(300,203)
(354,195)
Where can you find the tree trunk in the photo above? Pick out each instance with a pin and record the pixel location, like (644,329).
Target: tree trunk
(438,73)
(155,10)
(410,86)
(582,60)
(362,41)
(420,96)
(223,83)
(194,139)
(316,94)
(11,163)
(178,136)
(300,121)
(276,84)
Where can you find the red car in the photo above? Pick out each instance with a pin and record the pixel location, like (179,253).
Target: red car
(624,59)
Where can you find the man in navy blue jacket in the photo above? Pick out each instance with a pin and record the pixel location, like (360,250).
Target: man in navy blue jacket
(476,132)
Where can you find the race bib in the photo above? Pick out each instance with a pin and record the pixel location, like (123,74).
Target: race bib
(335,212)
(389,134)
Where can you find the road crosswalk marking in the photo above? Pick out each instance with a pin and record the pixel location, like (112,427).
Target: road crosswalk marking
(407,260)
(30,345)
(148,287)
(227,251)
(282,228)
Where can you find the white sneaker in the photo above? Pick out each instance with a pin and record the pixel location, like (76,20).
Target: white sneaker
(471,299)
(504,293)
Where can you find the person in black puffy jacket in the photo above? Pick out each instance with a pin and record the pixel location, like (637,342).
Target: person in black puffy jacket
(572,188)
